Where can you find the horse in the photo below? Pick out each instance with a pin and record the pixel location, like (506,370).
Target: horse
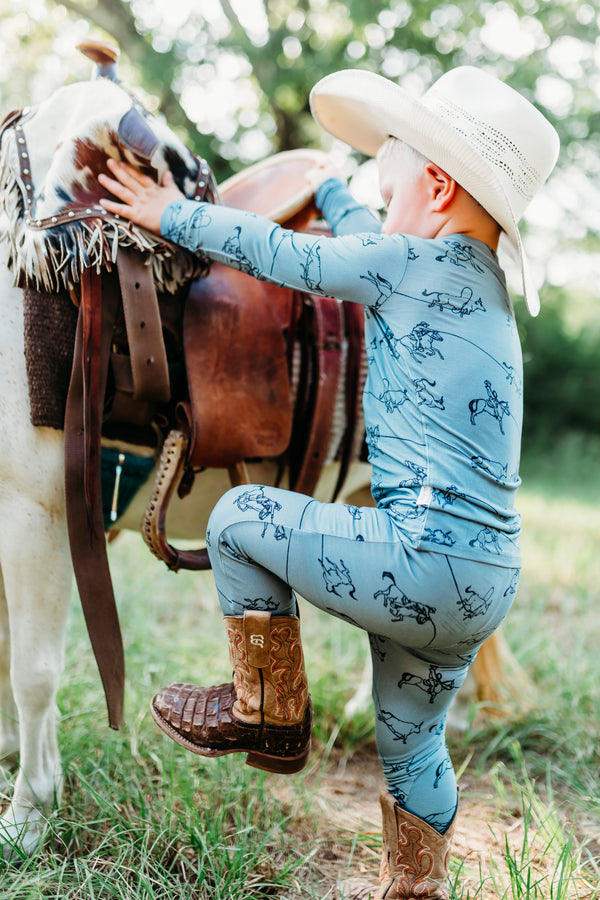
(45,251)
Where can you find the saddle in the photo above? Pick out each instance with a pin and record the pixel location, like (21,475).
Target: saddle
(150,352)
(236,359)
(244,341)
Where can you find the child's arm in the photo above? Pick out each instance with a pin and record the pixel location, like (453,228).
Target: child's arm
(343,213)
(363,268)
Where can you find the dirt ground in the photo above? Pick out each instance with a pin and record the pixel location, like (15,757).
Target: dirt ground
(346,807)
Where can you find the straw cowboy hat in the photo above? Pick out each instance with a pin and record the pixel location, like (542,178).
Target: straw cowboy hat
(484,134)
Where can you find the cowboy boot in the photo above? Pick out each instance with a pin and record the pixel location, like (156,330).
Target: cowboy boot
(414,865)
(265,713)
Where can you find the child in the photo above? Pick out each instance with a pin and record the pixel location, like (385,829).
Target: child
(432,571)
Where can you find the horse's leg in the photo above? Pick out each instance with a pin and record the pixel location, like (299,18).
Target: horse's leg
(9,725)
(36,571)
(37,579)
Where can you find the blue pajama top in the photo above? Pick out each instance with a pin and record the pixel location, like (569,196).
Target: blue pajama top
(443,396)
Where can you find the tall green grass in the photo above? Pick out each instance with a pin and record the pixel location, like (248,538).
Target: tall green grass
(143,819)
(545,758)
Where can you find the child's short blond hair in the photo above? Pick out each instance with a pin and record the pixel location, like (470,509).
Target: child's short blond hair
(402,154)
(399,151)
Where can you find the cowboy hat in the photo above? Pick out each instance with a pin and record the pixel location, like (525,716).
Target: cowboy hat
(485,135)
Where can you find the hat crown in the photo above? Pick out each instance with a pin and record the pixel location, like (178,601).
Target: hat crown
(506,131)
(489,138)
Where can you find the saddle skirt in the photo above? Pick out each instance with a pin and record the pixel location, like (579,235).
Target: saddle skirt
(50,157)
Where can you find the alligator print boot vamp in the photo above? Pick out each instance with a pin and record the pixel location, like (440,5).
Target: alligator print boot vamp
(265,713)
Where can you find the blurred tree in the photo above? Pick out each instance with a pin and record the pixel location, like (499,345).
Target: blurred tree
(272,51)
(234,76)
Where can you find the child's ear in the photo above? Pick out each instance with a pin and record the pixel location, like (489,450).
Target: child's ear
(442,188)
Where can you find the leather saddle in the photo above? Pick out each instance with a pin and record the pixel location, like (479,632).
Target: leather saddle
(236,357)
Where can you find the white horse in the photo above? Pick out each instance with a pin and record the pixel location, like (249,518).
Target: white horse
(35,564)
(34,589)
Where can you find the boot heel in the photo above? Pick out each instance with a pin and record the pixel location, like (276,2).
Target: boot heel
(280,765)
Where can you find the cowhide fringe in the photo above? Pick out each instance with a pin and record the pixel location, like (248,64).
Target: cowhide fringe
(52,259)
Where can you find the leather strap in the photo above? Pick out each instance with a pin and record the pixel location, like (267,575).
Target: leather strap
(172,463)
(11,118)
(98,308)
(256,625)
(149,366)
(325,326)
(170,471)
(355,322)
(300,333)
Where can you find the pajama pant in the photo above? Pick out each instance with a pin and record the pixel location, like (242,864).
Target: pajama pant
(426,614)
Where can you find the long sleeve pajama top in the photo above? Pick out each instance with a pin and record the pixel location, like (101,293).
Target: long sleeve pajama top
(443,396)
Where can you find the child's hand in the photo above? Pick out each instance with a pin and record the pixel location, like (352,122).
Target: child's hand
(321,173)
(142,200)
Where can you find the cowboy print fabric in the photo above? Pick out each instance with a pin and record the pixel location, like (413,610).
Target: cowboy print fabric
(426,614)
(442,408)
(443,397)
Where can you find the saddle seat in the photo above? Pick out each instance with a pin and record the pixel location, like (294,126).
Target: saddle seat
(235,351)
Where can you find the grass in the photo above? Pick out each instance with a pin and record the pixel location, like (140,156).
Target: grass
(143,819)
(547,758)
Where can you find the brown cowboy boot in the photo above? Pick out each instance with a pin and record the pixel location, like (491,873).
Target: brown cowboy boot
(265,713)
(414,865)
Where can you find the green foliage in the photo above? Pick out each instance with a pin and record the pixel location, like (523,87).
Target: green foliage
(233,79)
(561,372)
(281,47)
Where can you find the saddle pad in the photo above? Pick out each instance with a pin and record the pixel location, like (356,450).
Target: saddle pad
(50,323)
(238,380)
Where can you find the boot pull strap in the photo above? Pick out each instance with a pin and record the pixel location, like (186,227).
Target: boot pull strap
(257,629)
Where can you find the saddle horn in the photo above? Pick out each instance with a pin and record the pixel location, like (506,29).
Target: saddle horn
(105,56)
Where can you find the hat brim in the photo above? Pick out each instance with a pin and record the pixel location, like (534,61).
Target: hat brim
(364,109)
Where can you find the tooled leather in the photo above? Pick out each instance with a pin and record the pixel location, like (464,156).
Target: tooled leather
(280,696)
(415,862)
(246,679)
(414,865)
(205,718)
(287,673)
